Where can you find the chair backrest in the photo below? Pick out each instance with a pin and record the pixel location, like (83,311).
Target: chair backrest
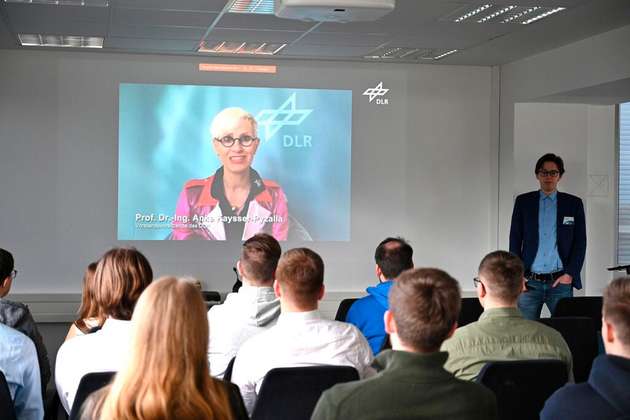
(227,376)
(470,312)
(90,383)
(590,306)
(291,393)
(6,402)
(344,307)
(211,296)
(581,337)
(523,386)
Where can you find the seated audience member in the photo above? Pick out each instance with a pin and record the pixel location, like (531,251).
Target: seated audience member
(88,312)
(393,256)
(17,315)
(606,395)
(18,363)
(121,276)
(166,373)
(501,333)
(301,336)
(252,309)
(412,382)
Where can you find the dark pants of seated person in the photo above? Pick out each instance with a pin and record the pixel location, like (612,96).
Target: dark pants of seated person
(530,303)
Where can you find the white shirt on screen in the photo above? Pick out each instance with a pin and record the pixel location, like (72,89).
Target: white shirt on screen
(243,314)
(299,339)
(101,351)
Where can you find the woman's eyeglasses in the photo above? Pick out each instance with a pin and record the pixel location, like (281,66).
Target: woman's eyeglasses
(228,141)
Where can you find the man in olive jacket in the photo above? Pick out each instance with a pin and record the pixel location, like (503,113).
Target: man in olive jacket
(412,383)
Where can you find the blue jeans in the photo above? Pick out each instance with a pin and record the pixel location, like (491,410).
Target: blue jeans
(530,302)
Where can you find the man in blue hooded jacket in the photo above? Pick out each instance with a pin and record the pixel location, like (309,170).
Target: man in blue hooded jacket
(392,256)
(605,395)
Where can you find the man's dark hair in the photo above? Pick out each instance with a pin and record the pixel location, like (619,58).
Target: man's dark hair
(393,256)
(550,157)
(6,264)
(425,303)
(259,258)
(503,273)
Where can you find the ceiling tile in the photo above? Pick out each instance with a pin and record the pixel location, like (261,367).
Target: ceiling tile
(148,17)
(251,21)
(324,51)
(359,39)
(185,5)
(158,32)
(150,44)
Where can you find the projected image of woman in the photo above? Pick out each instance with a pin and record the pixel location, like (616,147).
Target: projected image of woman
(235,202)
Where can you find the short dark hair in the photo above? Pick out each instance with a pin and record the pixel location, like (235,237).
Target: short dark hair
(6,264)
(259,258)
(616,308)
(301,275)
(550,157)
(503,272)
(393,256)
(425,303)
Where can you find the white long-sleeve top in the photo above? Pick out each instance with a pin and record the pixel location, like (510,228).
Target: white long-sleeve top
(299,339)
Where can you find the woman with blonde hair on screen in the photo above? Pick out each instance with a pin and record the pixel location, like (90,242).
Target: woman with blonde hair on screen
(166,375)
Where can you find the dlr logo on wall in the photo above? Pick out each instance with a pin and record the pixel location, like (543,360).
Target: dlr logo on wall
(303,141)
(375,94)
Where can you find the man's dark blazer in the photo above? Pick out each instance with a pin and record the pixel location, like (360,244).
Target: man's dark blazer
(571,235)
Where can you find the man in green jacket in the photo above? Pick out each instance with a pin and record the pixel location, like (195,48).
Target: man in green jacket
(501,333)
(412,383)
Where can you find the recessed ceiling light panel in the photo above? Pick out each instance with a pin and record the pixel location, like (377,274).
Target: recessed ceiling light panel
(260,7)
(241,48)
(501,13)
(67,41)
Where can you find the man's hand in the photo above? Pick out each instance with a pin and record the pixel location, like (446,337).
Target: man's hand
(563,279)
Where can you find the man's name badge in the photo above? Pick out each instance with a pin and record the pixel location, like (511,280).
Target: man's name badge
(568,220)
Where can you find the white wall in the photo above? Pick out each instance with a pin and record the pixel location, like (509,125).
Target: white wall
(422,166)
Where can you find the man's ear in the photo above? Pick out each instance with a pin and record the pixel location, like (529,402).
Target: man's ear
(390,323)
(239,270)
(277,289)
(322,292)
(608,332)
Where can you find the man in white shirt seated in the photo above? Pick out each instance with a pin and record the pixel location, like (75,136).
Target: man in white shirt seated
(302,337)
(121,275)
(253,309)
(18,363)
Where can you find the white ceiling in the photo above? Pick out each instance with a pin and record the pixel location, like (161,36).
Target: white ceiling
(179,27)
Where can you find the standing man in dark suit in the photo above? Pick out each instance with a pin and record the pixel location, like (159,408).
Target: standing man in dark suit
(548,233)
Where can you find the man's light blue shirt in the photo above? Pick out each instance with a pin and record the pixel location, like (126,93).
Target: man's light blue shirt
(547,259)
(18,362)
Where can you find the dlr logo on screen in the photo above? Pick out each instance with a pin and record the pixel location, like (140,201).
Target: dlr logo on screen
(302,141)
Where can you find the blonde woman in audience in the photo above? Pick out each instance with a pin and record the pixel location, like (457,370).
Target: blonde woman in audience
(166,375)
(89,317)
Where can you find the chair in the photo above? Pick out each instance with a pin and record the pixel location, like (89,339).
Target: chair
(90,383)
(590,306)
(523,386)
(344,307)
(6,402)
(470,312)
(581,337)
(211,296)
(227,376)
(291,393)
